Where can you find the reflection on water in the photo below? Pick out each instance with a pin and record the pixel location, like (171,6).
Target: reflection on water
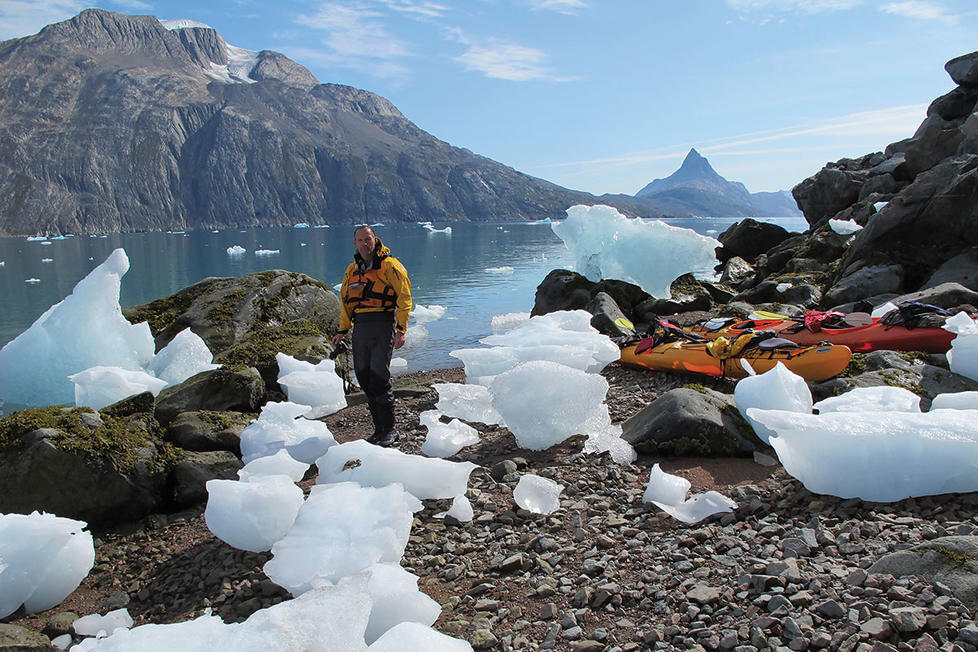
(466,271)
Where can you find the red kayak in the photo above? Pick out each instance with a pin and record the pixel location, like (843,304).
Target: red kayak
(860,339)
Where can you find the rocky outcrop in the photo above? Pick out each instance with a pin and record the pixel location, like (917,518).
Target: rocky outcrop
(115,123)
(952,561)
(239,390)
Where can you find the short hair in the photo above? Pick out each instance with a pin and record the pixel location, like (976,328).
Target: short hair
(364,226)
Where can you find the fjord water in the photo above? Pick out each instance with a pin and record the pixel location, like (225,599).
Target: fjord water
(477,271)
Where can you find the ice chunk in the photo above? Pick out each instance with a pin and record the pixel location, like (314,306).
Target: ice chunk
(316,385)
(342,529)
(485,362)
(266,252)
(93,624)
(608,245)
(607,438)
(281,463)
(445,439)
(461,510)
(538,495)
(508,320)
(421,476)
(963,356)
(668,493)
(416,335)
(775,389)
(236,250)
(422,314)
(957,401)
(505,270)
(97,387)
(844,227)
(414,636)
(252,515)
(280,425)
(61,642)
(186,355)
(84,330)
(878,456)
(398,363)
(396,599)
(326,619)
(868,399)
(543,403)
(469,402)
(43,558)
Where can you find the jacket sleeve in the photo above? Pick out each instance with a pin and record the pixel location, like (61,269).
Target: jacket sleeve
(346,318)
(396,276)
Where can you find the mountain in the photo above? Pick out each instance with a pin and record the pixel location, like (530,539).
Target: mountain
(110,122)
(696,188)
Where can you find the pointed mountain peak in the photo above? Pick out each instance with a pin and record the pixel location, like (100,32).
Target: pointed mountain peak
(695,162)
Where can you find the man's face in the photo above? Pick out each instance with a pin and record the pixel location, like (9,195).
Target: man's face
(365,241)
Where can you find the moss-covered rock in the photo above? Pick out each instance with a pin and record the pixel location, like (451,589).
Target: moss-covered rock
(225,389)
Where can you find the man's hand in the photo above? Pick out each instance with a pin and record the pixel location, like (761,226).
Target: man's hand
(337,339)
(398,339)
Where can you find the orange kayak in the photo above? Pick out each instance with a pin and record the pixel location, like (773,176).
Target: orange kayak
(859,339)
(815,363)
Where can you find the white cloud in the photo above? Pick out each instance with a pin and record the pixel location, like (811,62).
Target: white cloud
(793,6)
(136,5)
(422,10)
(560,6)
(919,10)
(505,60)
(25,17)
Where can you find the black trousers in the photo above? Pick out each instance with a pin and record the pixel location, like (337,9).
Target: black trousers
(373,346)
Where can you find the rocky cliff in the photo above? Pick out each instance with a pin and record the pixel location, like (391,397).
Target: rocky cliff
(113,122)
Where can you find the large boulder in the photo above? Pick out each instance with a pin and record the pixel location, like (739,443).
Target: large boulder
(608,317)
(748,239)
(865,282)
(951,561)
(964,69)
(227,311)
(824,194)
(101,471)
(189,477)
(935,140)
(691,421)
(219,390)
(564,289)
(205,430)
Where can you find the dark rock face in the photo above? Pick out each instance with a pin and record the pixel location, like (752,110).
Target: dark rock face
(217,391)
(111,122)
(748,239)
(189,478)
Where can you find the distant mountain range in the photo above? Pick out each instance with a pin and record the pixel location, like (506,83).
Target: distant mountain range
(111,122)
(696,188)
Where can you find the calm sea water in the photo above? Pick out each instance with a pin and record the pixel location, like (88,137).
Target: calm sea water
(477,271)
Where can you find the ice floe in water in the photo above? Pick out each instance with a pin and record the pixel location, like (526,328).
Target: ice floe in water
(650,254)
(43,558)
(236,250)
(424,314)
(668,493)
(537,494)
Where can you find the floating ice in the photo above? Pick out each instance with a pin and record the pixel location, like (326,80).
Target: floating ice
(43,558)
(300,225)
(326,619)
(543,403)
(97,387)
(957,401)
(844,227)
(95,624)
(421,476)
(281,463)
(396,599)
(775,389)
(868,399)
(963,356)
(280,425)
(415,636)
(505,270)
(398,363)
(447,230)
(84,330)
(32,280)
(252,515)
(316,385)
(538,495)
(422,315)
(342,529)
(445,439)
(236,250)
(186,355)
(47,260)
(508,320)
(668,493)
(878,456)
(468,402)
(608,245)
(266,252)
(461,510)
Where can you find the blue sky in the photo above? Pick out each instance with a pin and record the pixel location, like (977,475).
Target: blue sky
(605,95)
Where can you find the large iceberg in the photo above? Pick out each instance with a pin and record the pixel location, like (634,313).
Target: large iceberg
(86,329)
(43,558)
(650,254)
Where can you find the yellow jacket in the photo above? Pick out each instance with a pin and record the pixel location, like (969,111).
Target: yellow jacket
(383,287)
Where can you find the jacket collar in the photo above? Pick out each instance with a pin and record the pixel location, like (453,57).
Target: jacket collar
(380,253)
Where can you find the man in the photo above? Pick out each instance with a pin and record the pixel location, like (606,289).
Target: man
(375,300)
